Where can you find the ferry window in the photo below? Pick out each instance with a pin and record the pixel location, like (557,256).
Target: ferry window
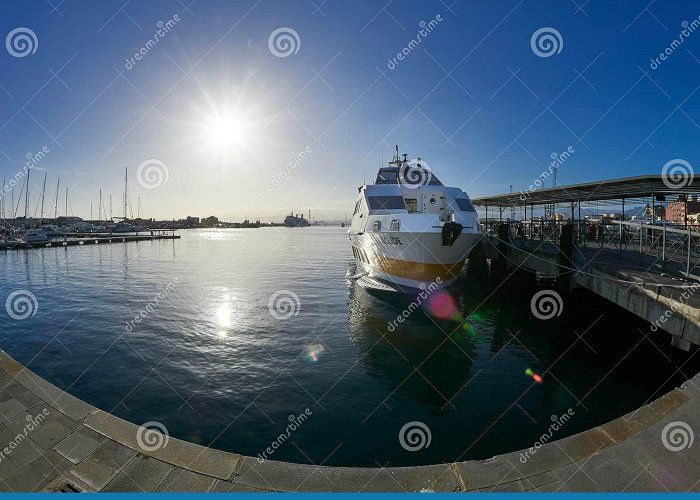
(411,205)
(377,225)
(386,203)
(434,181)
(388,176)
(465,205)
(395,225)
(392,175)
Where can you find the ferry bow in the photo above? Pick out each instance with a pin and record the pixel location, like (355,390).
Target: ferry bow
(408,230)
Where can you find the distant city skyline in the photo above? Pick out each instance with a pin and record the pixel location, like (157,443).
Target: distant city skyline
(256,109)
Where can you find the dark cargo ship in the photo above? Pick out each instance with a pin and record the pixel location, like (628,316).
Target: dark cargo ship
(296,221)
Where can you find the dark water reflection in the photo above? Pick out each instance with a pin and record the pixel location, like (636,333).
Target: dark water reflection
(211,363)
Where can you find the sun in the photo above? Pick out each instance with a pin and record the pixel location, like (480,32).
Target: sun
(227,124)
(224,131)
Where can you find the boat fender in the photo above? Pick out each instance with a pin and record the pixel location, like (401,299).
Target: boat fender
(450,233)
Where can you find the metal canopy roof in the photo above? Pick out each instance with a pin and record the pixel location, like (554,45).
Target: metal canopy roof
(612,189)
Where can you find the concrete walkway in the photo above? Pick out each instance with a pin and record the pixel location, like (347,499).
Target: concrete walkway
(73,446)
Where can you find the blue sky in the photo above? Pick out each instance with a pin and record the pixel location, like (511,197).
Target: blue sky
(472,98)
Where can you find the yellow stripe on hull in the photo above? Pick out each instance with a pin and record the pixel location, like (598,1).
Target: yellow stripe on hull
(418,271)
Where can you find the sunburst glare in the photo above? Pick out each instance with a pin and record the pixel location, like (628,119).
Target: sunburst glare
(225,131)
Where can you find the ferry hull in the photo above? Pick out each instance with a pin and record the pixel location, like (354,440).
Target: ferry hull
(411,260)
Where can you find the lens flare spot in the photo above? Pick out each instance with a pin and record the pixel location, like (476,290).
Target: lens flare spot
(534,376)
(469,329)
(476,317)
(443,306)
(314,351)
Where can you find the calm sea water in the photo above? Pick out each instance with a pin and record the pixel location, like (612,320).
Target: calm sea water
(210,362)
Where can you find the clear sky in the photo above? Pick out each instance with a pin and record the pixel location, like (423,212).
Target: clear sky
(223,107)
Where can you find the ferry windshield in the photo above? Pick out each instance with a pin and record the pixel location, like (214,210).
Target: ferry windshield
(390,175)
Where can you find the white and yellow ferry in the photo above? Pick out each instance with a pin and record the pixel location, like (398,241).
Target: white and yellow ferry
(409,230)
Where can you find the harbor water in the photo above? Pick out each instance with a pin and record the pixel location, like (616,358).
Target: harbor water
(227,336)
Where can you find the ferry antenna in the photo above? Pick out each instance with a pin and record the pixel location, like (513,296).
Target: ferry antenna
(396,160)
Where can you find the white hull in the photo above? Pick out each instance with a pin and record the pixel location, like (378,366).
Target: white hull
(413,260)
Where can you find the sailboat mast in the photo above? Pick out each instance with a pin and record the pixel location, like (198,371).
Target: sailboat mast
(55,205)
(99,208)
(43,192)
(26,196)
(66,202)
(126,188)
(19,200)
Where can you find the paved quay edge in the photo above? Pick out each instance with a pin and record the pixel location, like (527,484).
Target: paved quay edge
(78,446)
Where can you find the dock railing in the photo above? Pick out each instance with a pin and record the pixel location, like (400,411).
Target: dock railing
(673,249)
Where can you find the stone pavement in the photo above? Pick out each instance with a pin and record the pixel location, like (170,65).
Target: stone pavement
(73,446)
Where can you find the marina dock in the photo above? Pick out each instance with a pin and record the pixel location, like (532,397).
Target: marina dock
(89,239)
(648,267)
(77,447)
